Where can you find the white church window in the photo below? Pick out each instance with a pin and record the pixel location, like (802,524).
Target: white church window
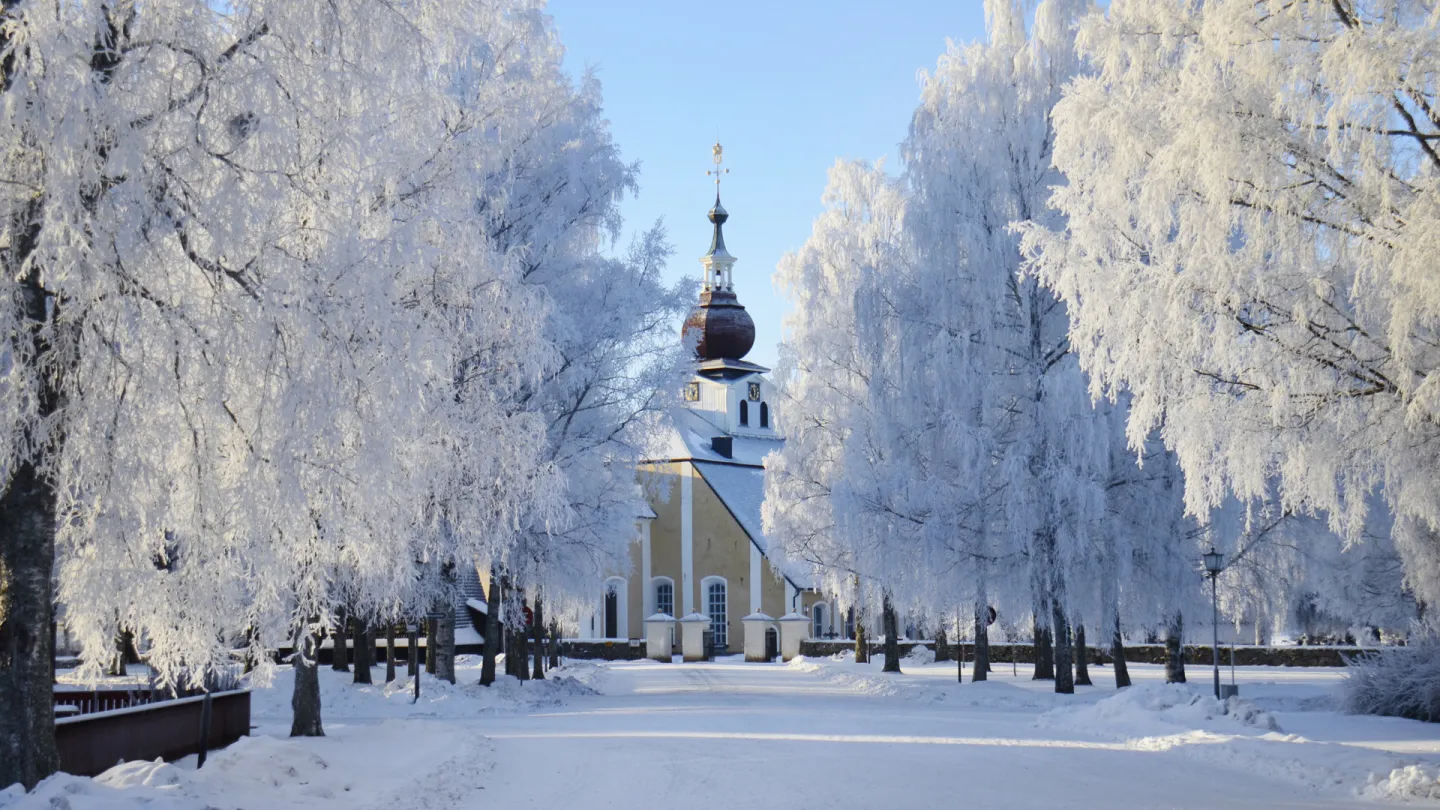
(665,596)
(817,628)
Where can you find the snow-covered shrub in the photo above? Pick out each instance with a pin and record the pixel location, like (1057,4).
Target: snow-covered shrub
(1396,681)
(919,655)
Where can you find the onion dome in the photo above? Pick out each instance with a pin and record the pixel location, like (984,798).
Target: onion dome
(724,328)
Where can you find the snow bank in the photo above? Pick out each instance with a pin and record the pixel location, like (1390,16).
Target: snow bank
(341,700)
(867,679)
(1234,733)
(1158,707)
(1408,782)
(379,746)
(919,655)
(387,765)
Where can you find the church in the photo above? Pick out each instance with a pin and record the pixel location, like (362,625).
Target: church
(701,550)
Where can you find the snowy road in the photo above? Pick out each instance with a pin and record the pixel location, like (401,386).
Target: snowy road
(822,732)
(732,735)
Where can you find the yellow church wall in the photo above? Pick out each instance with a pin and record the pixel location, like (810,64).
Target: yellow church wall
(721,549)
(772,592)
(635,596)
(665,531)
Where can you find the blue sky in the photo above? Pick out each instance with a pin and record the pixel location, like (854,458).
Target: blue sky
(790,85)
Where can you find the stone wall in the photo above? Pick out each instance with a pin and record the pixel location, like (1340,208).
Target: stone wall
(1004,653)
(603,650)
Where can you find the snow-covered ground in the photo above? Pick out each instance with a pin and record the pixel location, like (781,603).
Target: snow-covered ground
(827,732)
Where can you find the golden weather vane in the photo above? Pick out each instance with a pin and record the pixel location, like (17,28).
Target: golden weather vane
(719,157)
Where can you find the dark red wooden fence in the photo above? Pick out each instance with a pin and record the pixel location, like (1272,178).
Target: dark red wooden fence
(170,729)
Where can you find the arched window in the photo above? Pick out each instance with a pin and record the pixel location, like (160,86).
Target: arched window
(612,612)
(744,413)
(817,623)
(764,414)
(717,608)
(615,622)
(665,596)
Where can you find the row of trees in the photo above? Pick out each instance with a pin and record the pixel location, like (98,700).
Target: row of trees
(302,312)
(1113,311)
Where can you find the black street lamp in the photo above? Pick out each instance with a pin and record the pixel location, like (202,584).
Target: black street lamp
(1214,564)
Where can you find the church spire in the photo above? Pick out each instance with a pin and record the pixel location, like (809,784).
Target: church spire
(717,260)
(722,328)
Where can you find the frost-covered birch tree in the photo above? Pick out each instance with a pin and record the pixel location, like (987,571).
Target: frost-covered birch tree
(256,333)
(1251,218)
(827,502)
(977,160)
(550,208)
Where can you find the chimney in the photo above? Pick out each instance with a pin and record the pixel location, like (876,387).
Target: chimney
(723,446)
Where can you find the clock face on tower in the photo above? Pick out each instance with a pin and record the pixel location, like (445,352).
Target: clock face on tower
(754,392)
(692,392)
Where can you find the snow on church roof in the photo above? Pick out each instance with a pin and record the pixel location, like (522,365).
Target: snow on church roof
(690,438)
(742,490)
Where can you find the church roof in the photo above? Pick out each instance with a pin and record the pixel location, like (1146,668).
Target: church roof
(742,490)
(739,481)
(691,435)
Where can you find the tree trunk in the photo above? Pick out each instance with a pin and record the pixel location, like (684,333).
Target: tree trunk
(27,533)
(892,637)
(539,627)
(1117,656)
(981,669)
(1174,650)
(942,646)
(1044,655)
(507,649)
(250,656)
(432,647)
(492,631)
(305,701)
(444,624)
(1064,650)
(339,649)
(364,651)
(412,651)
(27,558)
(522,650)
(389,652)
(554,644)
(1082,658)
(444,645)
(117,660)
(862,644)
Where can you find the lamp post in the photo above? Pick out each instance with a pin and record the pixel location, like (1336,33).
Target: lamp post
(1214,564)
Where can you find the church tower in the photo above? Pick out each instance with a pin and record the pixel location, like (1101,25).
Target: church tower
(702,558)
(721,327)
(731,393)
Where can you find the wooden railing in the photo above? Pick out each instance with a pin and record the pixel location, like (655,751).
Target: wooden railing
(104,700)
(169,729)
